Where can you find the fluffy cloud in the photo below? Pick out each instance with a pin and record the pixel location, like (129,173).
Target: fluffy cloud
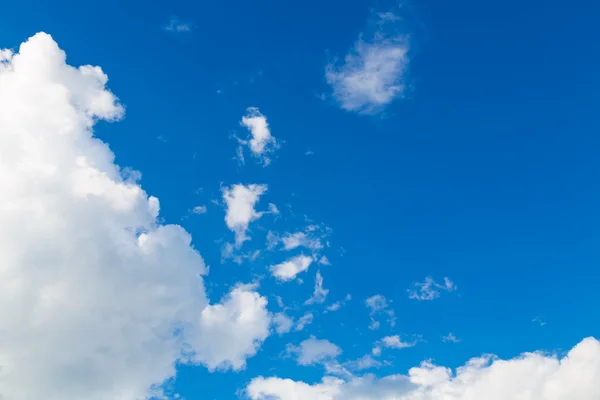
(320,293)
(283,323)
(531,376)
(429,289)
(240,201)
(314,351)
(288,270)
(261,142)
(233,330)
(98,299)
(372,73)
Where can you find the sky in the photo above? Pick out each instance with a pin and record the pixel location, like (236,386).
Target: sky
(365,200)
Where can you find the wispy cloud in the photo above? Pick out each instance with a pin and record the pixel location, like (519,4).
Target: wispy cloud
(372,73)
(378,304)
(429,289)
(175,25)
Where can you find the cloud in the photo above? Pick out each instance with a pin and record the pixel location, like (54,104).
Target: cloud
(372,74)
(314,351)
(232,330)
(531,376)
(365,362)
(303,321)
(175,25)
(539,321)
(394,342)
(378,305)
(283,323)
(240,201)
(429,289)
(261,142)
(98,299)
(199,210)
(450,338)
(294,240)
(319,294)
(288,270)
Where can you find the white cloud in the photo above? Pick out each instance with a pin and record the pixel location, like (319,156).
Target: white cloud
(319,294)
(303,321)
(539,321)
(294,240)
(261,142)
(531,376)
(450,338)
(283,323)
(199,210)
(429,289)
(365,362)
(394,342)
(175,25)
(288,270)
(378,305)
(232,330)
(372,74)
(240,201)
(98,299)
(314,351)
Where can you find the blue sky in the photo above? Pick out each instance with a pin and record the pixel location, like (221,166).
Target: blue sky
(468,154)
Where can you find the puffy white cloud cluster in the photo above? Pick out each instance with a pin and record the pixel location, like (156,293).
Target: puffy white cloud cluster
(531,376)
(240,201)
(98,299)
(261,142)
(288,270)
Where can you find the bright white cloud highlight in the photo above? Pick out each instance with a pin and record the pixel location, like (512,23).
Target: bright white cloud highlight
(429,289)
(288,270)
(372,74)
(314,351)
(261,142)
(531,376)
(394,342)
(98,299)
(240,201)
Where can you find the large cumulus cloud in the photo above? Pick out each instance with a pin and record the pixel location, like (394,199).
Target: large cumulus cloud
(98,300)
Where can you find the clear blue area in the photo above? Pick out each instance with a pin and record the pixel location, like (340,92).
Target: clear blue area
(486,172)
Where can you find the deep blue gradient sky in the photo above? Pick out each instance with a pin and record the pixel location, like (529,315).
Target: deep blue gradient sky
(485,171)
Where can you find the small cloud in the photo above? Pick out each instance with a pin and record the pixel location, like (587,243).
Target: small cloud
(394,342)
(539,321)
(450,338)
(314,351)
(338,304)
(378,305)
(429,289)
(309,153)
(365,362)
(319,294)
(199,210)
(261,142)
(372,74)
(175,25)
(283,323)
(288,270)
(303,321)
(240,201)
